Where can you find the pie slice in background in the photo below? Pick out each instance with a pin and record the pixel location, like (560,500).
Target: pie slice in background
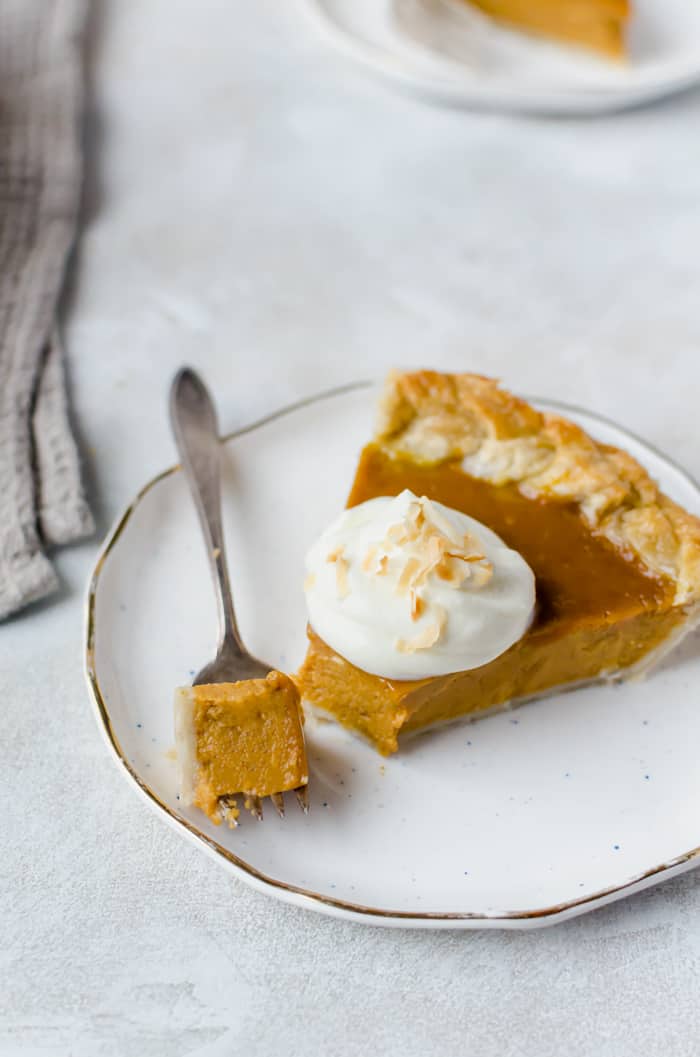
(598,25)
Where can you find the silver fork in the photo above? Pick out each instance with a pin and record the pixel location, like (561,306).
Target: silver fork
(193,419)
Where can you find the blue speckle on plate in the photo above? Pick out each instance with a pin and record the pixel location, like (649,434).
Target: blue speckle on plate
(139,725)
(514,722)
(647,777)
(616,847)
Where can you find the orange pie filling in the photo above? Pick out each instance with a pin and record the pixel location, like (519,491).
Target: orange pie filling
(595,24)
(239,738)
(601,610)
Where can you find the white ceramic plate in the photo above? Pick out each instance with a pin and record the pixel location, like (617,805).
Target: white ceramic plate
(449,52)
(520,819)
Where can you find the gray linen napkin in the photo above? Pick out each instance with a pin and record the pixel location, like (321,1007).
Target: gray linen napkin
(41,498)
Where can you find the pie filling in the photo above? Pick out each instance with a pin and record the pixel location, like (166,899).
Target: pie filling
(239,738)
(599,611)
(579,575)
(595,24)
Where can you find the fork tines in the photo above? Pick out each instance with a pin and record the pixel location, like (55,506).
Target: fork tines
(230,812)
(302,793)
(228,809)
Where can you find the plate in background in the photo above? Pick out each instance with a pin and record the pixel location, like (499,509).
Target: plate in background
(518,820)
(451,53)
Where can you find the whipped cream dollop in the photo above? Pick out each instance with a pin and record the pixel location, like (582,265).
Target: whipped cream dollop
(406,588)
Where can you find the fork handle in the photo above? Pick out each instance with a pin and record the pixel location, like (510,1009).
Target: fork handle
(193,419)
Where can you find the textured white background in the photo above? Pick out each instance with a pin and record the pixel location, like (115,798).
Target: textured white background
(262,210)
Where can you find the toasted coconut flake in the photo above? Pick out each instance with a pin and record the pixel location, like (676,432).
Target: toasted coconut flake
(368,559)
(437,546)
(441,523)
(309,581)
(415,518)
(423,641)
(397,533)
(341,577)
(481,574)
(333,555)
(417,604)
(433,556)
(427,637)
(453,572)
(469,544)
(408,574)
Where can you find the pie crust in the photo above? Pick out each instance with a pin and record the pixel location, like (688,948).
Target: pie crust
(432,418)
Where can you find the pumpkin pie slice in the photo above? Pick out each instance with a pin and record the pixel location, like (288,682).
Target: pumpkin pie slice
(238,740)
(598,25)
(616,562)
